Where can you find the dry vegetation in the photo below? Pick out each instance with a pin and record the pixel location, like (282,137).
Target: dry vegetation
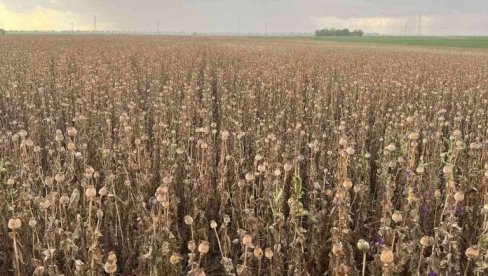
(171,156)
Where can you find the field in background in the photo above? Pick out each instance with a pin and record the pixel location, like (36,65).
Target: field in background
(455,41)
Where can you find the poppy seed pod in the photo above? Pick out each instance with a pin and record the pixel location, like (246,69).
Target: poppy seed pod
(72,132)
(268,252)
(59,177)
(347,184)
(277,172)
(426,241)
(225,135)
(459,196)
(448,170)
(191,245)
(111,257)
(362,245)
(167,180)
(99,214)
(420,169)
(175,259)
(59,138)
(78,155)
(64,200)
(39,271)
(110,267)
(413,136)
(258,157)
(247,240)
(457,133)
(397,217)
(387,256)
(71,146)
(337,249)
(45,204)
(258,252)
(188,220)
(90,192)
(32,222)
(203,247)
(103,191)
(249,177)
(390,147)
(472,252)
(137,142)
(14,223)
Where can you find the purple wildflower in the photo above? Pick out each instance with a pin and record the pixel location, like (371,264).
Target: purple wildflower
(460,211)
(379,241)
(424,210)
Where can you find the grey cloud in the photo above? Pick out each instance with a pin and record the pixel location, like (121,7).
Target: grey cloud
(281,15)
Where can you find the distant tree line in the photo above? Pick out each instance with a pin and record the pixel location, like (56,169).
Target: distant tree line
(2,32)
(338,32)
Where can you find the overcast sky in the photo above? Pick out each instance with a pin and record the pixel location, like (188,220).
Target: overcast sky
(439,17)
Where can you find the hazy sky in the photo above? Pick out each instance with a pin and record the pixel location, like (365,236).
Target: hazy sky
(439,17)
